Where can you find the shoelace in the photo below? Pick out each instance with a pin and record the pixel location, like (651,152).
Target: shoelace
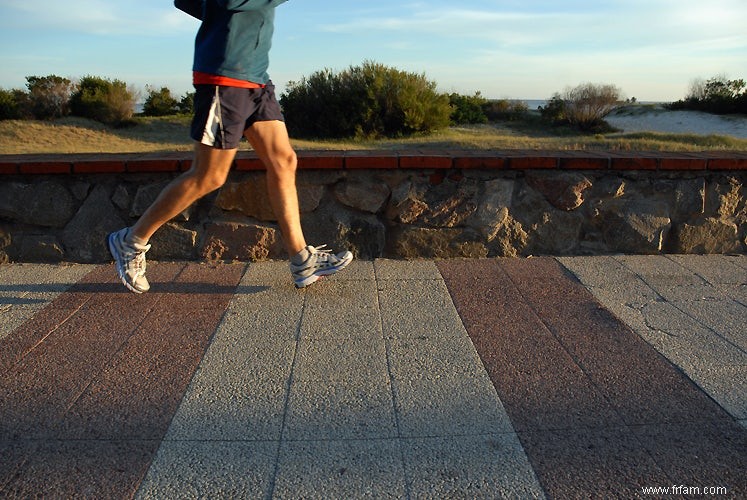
(324,253)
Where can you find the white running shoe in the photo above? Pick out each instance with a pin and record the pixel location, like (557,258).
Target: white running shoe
(318,262)
(130,261)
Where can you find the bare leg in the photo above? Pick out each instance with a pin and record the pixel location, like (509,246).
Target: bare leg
(271,143)
(209,171)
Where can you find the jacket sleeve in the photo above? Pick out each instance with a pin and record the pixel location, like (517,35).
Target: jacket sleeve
(192,7)
(248,4)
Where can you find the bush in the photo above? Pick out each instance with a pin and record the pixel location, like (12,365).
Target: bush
(187,103)
(103,100)
(160,102)
(583,107)
(49,96)
(716,95)
(554,110)
(467,109)
(370,100)
(12,104)
(504,109)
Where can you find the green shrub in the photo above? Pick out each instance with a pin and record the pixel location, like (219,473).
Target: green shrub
(160,102)
(370,100)
(187,103)
(49,96)
(505,109)
(554,110)
(467,109)
(106,101)
(12,104)
(716,95)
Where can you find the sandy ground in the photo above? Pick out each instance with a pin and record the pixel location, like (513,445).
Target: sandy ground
(694,122)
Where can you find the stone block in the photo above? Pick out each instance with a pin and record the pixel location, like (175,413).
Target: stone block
(226,240)
(365,196)
(709,235)
(173,242)
(251,198)
(84,237)
(417,242)
(145,197)
(564,191)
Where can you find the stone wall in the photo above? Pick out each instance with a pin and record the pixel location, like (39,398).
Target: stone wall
(484,205)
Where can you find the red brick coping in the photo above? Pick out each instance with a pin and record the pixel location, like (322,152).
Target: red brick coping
(96,163)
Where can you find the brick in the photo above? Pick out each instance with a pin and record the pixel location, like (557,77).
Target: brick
(372,159)
(185,164)
(491,162)
(727,164)
(153,165)
(249,164)
(682,163)
(8,167)
(634,163)
(584,163)
(99,167)
(425,161)
(533,162)
(45,167)
(320,160)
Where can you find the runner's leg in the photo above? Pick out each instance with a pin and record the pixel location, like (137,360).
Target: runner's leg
(208,172)
(271,143)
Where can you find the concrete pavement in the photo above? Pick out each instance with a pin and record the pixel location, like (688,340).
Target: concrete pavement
(523,378)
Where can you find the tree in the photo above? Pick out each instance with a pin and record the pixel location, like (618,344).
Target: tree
(467,109)
(160,102)
(49,96)
(100,99)
(371,100)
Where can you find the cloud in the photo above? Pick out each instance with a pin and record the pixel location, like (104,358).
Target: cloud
(570,26)
(97,17)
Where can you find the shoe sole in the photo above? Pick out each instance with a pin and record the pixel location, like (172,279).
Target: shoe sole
(120,271)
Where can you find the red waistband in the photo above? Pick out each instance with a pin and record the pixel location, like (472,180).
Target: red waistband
(199,78)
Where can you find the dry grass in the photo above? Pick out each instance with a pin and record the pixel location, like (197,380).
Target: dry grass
(76,135)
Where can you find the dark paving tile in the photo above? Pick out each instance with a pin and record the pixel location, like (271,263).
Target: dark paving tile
(538,382)
(700,454)
(643,386)
(591,463)
(37,390)
(82,469)
(16,345)
(101,390)
(138,392)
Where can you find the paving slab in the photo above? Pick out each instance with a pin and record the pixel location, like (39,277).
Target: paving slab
(475,378)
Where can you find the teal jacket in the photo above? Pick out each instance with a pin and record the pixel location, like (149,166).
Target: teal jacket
(235,37)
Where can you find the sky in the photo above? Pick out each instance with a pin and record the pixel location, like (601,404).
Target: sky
(525,49)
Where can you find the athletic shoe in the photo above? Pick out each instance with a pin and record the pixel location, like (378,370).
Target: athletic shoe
(130,261)
(317,262)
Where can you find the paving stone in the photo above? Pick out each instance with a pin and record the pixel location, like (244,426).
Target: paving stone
(726,384)
(419,270)
(659,270)
(412,359)
(448,405)
(702,454)
(607,462)
(716,269)
(340,410)
(488,466)
(341,359)
(341,469)
(211,469)
(726,317)
(326,323)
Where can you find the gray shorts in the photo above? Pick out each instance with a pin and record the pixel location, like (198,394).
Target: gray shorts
(222,114)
